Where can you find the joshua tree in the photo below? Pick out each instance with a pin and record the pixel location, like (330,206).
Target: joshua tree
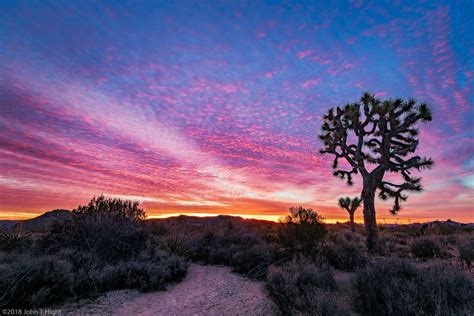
(350,205)
(374,138)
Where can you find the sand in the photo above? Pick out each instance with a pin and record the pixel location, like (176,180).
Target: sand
(207,290)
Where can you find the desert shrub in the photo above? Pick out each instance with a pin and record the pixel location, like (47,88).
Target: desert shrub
(36,281)
(466,252)
(300,287)
(102,208)
(425,248)
(254,261)
(219,248)
(353,236)
(175,244)
(102,246)
(302,231)
(14,239)
(32,282)
(145,275)
(108,228)
(395,287)
(108,240)
(346,256)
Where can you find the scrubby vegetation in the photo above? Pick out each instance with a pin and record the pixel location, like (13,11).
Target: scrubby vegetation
(309,267)
(346,255)
(302,288)
(466,251)
(425,248)
(396,287)
(14,239)
(102,246)
(302,231)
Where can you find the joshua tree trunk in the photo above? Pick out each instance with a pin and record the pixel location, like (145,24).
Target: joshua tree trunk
(370,222)
(351,218)
(383,134)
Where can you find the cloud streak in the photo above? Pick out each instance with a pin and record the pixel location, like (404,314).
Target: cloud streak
(211,109)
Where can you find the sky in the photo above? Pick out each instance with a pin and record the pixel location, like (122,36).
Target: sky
(214,107)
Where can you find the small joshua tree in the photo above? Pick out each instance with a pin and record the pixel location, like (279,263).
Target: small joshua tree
(374,138)
(350,205)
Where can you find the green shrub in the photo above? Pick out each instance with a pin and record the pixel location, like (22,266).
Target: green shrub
(300,287)
(32,282)
(395,287)
(425,248)
(466,252)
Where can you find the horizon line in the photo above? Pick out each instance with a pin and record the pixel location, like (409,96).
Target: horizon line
(272,218)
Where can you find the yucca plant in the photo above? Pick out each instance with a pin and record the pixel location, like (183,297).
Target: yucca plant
(10,239)
(173,243)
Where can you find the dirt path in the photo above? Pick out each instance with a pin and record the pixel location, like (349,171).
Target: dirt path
(207,290)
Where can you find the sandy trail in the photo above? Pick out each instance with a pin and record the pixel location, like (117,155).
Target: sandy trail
(207,290)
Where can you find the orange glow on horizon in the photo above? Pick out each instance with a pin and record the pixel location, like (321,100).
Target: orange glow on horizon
(273,217)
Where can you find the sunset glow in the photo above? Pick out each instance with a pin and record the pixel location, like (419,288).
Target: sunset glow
(209,107)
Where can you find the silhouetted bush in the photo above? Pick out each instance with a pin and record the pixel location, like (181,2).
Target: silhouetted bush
(108,228)
(32,282)
(254,261)
(395,287)
(219,248)
(302,288)
(145,275)
(425,248)
(107,209)
(346,256)
(466,252)
(302,231)
(102,246)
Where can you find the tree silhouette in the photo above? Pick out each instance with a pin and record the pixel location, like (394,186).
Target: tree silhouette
(376,137)
(113,209)
(302,230)
(350,205)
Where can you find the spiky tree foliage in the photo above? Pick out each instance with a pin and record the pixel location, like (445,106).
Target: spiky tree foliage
(376,137)
(350,205)
(11,239)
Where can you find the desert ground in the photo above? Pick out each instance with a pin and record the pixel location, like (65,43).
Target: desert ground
(206,290)
(96,263)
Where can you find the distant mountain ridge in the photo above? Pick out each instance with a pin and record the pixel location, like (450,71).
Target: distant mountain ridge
(39,223)
(42,222)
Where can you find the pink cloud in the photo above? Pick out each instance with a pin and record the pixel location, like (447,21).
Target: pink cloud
(269,74)
(304,53)
(310,83)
